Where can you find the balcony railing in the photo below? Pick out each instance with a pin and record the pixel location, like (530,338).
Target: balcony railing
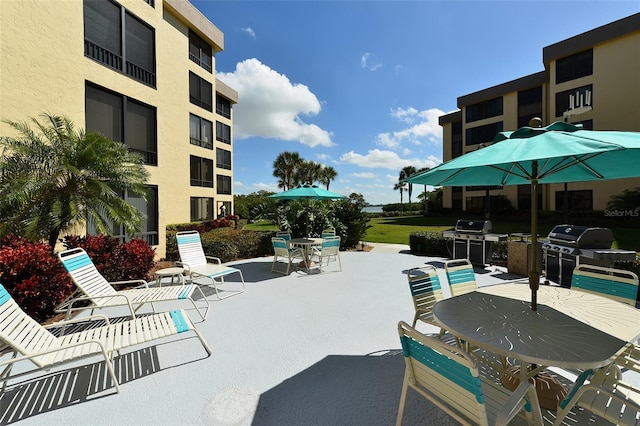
(141,74)
(102,55)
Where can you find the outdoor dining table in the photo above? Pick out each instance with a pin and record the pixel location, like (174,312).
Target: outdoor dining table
(307,245)
(570,329)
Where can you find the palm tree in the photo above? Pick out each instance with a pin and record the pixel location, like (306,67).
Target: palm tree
(307,172)
(284,168)
(327,174)
(400,186)
(408,171)
(56,178)
(628,200)
(425,199)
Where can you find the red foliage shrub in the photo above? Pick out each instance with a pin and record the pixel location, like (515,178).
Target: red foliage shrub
(33,276)
(116,262)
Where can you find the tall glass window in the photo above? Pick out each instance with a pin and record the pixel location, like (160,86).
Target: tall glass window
(223,132)
(200,131)
(200,92)
(201,171)
(122,119)
(200,51)
(201,209)
(223,159)
(132,54)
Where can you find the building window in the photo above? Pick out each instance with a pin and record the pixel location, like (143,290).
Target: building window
(456,139)
(529,105)
(201,209)
(223,132)
(117,39)
(201,171)
(200,51)
(150,224)
(122,119)
(456,198)
(563,99)
(483,134)
(524,198)
(223,159)
(482,110)
(577,200)
(574,66)
(200,92)
(223,106)
(224,184)
(200,131)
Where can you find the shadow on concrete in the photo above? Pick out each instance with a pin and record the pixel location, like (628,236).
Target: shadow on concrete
(346,390)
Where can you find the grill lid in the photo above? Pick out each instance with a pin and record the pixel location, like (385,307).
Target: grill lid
(581,236)
(473,226)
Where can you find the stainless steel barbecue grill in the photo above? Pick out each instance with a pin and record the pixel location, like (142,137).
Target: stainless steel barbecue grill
(472,240)
(569,245)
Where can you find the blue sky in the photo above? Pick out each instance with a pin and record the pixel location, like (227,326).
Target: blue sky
(359,85)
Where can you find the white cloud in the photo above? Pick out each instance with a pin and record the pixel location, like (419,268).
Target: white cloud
(370,61)
(377,158)
(423,125)
(249,31)
(271,106)
(364,175)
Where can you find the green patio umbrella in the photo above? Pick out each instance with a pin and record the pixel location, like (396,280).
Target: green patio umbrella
(557,153)
(307,192)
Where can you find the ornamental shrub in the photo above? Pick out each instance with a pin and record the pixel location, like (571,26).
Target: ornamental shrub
(116,262)
(428,243)
(33,276)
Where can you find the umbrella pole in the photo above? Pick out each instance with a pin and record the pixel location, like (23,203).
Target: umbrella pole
(534,276)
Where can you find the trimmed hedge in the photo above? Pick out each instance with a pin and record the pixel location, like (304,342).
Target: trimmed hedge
(227,244)
(428,243)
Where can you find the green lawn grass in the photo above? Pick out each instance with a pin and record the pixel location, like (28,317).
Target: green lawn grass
(396,230)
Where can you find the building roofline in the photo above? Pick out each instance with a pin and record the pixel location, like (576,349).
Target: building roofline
(195,20)
(586,40)
(226,91)
(450,117)
(516,85)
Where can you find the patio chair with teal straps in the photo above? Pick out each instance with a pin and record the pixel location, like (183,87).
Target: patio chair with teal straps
(282,250)
(93,287)
(426,290)
(617,284)
(461,276)
(24,339)
(449,377)
(200,266)
(330,248)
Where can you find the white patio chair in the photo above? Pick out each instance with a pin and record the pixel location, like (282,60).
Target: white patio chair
(449,377)
(282,250)
(424,284)
(329,249)
(26,340)
(198,265)
(461,276)
(93,287)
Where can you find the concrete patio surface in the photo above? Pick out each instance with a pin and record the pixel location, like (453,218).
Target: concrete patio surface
(302,349)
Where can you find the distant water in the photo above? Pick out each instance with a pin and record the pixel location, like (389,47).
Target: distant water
(372,209)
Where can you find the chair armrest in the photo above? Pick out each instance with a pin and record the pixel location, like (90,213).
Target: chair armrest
(130,282)
(214,259)
(524,396)
(63,324)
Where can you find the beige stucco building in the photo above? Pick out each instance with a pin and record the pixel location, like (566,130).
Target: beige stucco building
(591,78)
(139,71)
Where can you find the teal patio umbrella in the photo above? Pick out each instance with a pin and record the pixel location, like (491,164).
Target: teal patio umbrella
(307,192)
(557,153)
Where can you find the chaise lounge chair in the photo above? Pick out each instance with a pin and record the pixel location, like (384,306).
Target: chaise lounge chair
(197,264)
(26,340)
(93,287)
